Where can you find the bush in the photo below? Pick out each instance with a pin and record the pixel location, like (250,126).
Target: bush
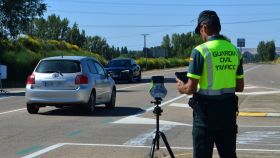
(159,63)
(277,61)
(30,43)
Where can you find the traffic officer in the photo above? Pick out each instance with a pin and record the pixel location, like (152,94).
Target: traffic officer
(215,74)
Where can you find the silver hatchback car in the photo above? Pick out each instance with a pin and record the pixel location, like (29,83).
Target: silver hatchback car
(69,81)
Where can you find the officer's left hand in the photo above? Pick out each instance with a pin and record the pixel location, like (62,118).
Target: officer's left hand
(180,86)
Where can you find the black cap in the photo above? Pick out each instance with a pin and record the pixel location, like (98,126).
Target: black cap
(208,17)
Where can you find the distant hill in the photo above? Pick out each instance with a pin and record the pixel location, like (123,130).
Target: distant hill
(254,50)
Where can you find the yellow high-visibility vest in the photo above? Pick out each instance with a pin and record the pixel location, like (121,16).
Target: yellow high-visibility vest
(221,60)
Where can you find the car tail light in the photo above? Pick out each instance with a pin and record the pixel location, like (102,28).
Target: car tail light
(31,79)
(81,79)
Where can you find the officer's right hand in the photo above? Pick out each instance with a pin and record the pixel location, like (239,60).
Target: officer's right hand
(180,86)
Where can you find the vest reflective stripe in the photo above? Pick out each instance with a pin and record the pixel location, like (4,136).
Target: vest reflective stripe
(216,92)
(209,65)
(224,66)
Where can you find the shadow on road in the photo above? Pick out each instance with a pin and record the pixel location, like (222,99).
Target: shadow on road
(99,112)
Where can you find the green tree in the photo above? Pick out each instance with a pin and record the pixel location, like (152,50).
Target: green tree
(97,44)
(166,43)
(17,16)
(74,36)
(271,50)
(266,51)
(53,28)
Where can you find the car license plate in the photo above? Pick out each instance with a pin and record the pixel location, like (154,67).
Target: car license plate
(52,84)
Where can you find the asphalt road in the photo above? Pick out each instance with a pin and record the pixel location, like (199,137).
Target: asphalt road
(127,130)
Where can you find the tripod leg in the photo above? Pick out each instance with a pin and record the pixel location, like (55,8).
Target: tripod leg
(167,145)
(155,140)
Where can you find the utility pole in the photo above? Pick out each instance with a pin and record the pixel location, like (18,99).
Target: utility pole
(145,49)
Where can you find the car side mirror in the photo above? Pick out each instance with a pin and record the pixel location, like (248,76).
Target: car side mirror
(107,75)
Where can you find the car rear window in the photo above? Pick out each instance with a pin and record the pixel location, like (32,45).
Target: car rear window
(119,63)
(61,66)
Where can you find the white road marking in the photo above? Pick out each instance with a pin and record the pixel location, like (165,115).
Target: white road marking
(169,101)
(142,139)
(250,126)
(251,87)
(258,93)
(138,85)
(252,137)
(180,105)
(133,117)
(12,111)
(43,151)
(273,114)
(56,146)
(146,121)
(252,68)
(7,97)
(166,71)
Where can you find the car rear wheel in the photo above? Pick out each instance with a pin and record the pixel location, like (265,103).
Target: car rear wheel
(112,103)
(32,109)
(90,107)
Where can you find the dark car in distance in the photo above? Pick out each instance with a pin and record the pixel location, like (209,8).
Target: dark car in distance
(124,69)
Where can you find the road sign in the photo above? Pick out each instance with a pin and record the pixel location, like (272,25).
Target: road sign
(240,42)
(3,72)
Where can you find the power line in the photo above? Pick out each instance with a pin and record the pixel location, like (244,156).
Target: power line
(253,21)
(134,26)
(150,14)
(116,14)
(173,4)
(177,25)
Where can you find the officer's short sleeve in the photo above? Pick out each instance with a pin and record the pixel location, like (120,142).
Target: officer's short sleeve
(240,72)
(196,65)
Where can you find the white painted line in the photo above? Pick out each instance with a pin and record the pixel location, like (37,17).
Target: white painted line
(143,84)
(181,105)
(130,118)
(142,139)
(169,101)
(12,111)
(258,93)
(252,68)
(53,147)
(251,87)
(270,88)
(273,114)
(250,126)
(7,97)
(43,151)
(147,121)
(173,147)
(164,70)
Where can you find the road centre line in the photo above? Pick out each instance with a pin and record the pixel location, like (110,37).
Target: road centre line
(7,97)
(258,93)
(252,68)
(2,113)
(53,147)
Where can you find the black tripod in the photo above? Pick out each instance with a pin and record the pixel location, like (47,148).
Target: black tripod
(157,111)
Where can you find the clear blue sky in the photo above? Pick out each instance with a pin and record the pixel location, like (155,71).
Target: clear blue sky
(122,22)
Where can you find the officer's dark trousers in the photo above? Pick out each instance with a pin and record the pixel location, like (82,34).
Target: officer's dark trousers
(214,122)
